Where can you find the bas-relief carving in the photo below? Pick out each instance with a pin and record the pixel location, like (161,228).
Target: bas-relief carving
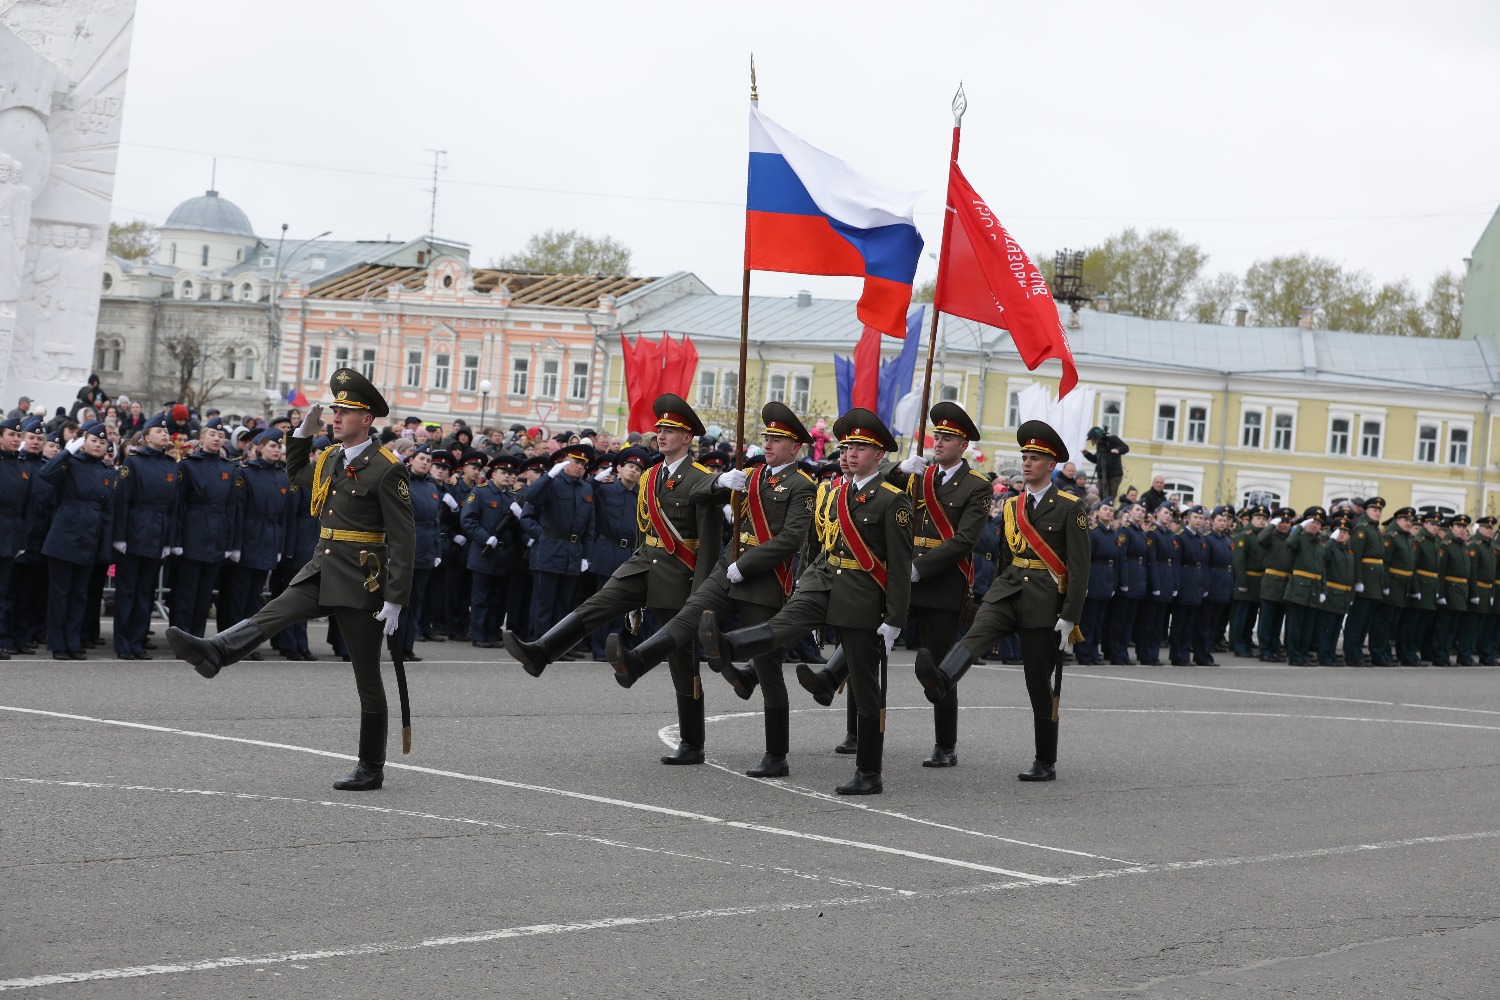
(62,82)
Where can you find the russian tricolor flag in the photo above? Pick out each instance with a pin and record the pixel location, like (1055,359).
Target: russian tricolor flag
(810,213)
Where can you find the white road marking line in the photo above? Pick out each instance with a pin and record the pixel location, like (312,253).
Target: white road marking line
(547,790)
(1229,690)
(1287,715)
(666,736)
(610,923)
(252,797)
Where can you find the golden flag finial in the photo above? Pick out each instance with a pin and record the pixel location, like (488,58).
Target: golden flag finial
(754,94)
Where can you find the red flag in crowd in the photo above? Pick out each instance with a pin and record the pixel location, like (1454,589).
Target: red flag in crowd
(985,276)
(866,389)
(652,368)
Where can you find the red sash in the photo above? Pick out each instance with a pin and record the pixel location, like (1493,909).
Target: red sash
(762,527)
(856,541)
(1054,563)
(662,528)
(941,522)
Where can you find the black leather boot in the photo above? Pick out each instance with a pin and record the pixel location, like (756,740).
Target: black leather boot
(633,664)
(690,728)
(945,725)
(778,738)
(866,780)
(723,648)
(560,638)
(1044,768)
(938,680)
(743,679)
(851,726)
(209,655)
(824,684)
(369,773)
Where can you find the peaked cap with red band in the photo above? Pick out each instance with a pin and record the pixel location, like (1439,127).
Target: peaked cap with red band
(949,418)
(860,425)
(1038,436)
(673,411)
(782,422)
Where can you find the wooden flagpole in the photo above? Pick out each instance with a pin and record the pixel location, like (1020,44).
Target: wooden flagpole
(737,498)
(960,105)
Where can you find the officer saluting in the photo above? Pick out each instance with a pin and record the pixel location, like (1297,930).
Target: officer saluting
(1039,591)
(363,562)
(205,525)
(80,535)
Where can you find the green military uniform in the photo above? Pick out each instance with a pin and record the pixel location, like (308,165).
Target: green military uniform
(1418,621)
(1030,595)
(773,529)
(1339,577)
(362,564)
(1273,543)
(1489,632)
(857,584)
(1455,587)
(1249,565)
(1368,549)
(1303,588)
(1481,583)
(679,528)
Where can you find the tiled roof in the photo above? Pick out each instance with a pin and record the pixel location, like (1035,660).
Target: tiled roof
(573,291)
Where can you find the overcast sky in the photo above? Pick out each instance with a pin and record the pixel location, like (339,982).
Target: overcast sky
(1365,132)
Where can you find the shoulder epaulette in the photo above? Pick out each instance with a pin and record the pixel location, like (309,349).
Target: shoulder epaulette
(702,468)
(390,455)
(894,489)
(979,476)
(804,475)
(1067,496)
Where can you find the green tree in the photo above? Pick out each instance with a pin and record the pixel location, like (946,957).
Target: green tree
(1277,290)
(925,292)
(133,240)
(1213,298)
(569,251)
(1147,275)
(1444,305)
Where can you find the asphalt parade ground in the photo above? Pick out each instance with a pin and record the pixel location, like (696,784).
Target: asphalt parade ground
(1245,831)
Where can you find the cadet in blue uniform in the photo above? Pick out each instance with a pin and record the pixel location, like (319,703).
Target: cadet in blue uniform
(206,523)
(614,530)
(1130,586)
(260,489)
(15,491)
(1106,543)
(80,536)
(433,613)
(427,508)
(1192,586)
(1162,565)
(494,536)
(471,466)
(300,543)
(563,500)
(1220,586)
(29,574)
(145,529)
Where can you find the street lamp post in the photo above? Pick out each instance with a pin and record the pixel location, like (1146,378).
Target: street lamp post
(485,388)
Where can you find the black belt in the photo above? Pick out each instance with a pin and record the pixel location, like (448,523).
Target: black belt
(624,543)
(563,535)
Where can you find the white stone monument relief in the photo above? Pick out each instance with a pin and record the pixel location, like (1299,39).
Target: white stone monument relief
(62,84)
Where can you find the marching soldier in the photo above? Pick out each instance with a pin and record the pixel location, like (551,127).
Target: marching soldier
(1304,586)
(80,536)
(681,536)
(1273,539)
(1340,574)
(753,584)
(145,530)
(1368,548)
(206,523)
(1249,566)
(362,565)
(1400,585)
(1453,589)
(860,583)
(1039,592)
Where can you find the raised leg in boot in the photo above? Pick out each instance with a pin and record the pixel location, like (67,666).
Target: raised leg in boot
(632,664)
(369,773)
(938,680)
(723,648)
(824,683)
(534,656)
(208,656)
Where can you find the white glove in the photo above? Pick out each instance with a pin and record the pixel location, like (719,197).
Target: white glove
(1442,601)
(889,633)
(278,557)
(1385,591)
(530,542)
(1322,598)
(459,540)
(1275,521)
(437,562)
(1124,590)
(1359,588)
(120,547)
(176,550)
(491,542)
(1473,600)
(75,444)
(1174,593)
(1155,593)
(1416,597)
(311,424)
(515,509)
(602,476)
(1305,523)
(729,513)
(391,615)
(1242,590)
(914,465)
(166,551)
(1065,627)
(449,502)
(734,479)
(915,576)
(20,553)
(734,574)
(557,469)
(585,567)
(234,555)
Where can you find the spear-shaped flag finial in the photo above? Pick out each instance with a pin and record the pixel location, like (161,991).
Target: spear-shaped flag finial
(960,103)
(754,94)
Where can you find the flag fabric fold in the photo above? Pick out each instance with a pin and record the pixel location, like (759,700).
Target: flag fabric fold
(985,276)
(652,368)
(807,212)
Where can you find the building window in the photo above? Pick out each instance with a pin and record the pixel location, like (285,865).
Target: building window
(947,393)
(248,368)
(1369,439)
(187,289)
(1166,421)
(1281,432)
(315,363)
(520,376)
(1197,425)
(232,367)
(1250,427)
(708,388)
(441,365)
(367,363)
(173,254)
(470,375)
(801,393)
(1458,446)
(205,255)
(340,357)
(730,393)
(1338,436)
(1013,408)
(247,292)
(1427,443)
(549,380)
(578,385)
(1111,414)
(109,281)
(1269,498)
(1185,491)
(776,392)
(413,369)
(1441,509)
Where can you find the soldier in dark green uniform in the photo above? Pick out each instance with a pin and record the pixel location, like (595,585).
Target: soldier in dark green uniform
(1249,567)
(1038,591)
(1339,577)
(1401,587)
(1368,549)
(1481,575)
(860,582)
(1454,586)
(1304,586)
(1414,642)
(1272,539)
(1489,558)
(680,529)
(753,583)
(363,561)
